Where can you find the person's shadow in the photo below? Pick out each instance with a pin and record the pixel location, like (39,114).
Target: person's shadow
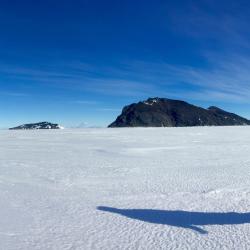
(184,219)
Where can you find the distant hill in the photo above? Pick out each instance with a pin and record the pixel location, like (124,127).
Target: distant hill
(39,125)
(162,112)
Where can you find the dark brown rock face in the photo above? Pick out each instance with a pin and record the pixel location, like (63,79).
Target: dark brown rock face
(39,125)
(162,112)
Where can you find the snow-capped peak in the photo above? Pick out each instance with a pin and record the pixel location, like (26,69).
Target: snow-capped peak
(151,101)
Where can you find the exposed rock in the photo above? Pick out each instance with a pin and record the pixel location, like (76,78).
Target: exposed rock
(39,125)
(162,112)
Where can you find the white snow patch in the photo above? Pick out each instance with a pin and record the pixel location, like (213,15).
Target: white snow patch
(151,102)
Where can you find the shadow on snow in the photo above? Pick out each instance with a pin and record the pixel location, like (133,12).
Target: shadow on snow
(184,219)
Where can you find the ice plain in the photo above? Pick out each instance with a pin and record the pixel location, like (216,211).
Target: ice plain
(128,188)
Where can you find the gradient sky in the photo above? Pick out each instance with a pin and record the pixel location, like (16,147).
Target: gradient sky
(79,62)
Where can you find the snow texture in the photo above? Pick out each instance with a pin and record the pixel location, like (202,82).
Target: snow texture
(128,188)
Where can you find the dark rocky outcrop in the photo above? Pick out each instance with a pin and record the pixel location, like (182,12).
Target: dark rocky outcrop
(162,112)
(39,125)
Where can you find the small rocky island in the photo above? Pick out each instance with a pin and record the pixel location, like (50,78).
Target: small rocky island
(163,112)
(39,125)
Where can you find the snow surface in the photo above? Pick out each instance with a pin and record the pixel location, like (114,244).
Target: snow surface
(141,188)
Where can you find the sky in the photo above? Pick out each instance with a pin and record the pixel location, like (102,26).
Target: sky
(78,63)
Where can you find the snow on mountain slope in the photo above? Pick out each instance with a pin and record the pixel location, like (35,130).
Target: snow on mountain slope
(131,188)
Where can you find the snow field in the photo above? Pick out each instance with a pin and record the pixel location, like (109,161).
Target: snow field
(129,188)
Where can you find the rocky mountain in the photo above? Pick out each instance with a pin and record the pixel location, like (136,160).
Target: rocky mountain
(162,112)
(39,125)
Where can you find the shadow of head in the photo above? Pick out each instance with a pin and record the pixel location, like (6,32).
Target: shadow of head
(184,219)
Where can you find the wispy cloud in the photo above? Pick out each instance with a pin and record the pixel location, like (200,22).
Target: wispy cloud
(226,78)
(212,22)
(110,109)
(13,94)
(102,80)
(85,102)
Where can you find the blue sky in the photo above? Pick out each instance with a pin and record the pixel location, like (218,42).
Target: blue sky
(79,62)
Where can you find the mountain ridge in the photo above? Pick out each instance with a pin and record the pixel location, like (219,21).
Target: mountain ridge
(164,112)
(38,125)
